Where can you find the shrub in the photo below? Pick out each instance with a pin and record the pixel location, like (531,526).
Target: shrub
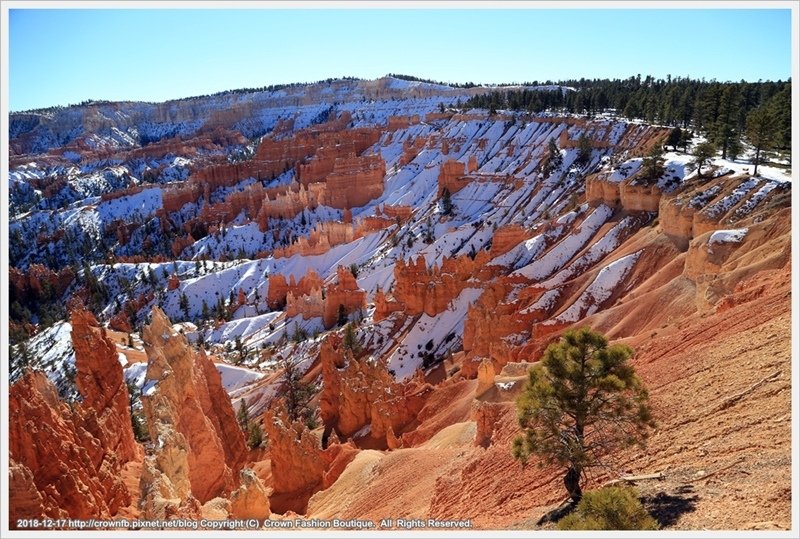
(609,508)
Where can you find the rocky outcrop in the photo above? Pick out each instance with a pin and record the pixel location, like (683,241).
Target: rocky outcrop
(401,122)
(355,181)
(289,202)
(323,236)
(430,290)
(506,238)
(25,501)
(343,297)
(59,452)
(101,383)
(452,176)
(250,500)
(38,282)
(277,289)
(189,416)
(306,296)
(358,392)
(295,459)
(486,416)
(385,306)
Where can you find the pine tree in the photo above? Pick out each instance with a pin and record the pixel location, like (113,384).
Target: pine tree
(584,150)
(350,339)
(255,436)
(297,393)
(674,138)
(653,164)
(761,133)
(703,154)
(582,401)
(554,158)
(447,202)
(724,133)
(183,303)
(243,416)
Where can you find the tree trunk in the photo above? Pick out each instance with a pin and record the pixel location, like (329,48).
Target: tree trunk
(758,154)
(572,481)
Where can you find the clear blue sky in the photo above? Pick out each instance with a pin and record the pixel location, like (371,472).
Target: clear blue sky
(67,56)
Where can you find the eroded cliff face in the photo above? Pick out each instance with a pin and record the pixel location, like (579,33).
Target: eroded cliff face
(358,393)
(430,290)
(100,381)
(199,445)
(67,459)
(60,466)
(295,459)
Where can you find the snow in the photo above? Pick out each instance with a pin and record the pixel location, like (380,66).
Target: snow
(625,170)
(51,351)
(135,373)
(407,357)
(735,235)
(234,377)
(603,286)
(562,252)
(545,302)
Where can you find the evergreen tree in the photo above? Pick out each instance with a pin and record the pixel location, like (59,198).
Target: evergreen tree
(761,133)
(582,401)
(703,154)
(255,437)
(341,318)
(724,132)
(653,164)
(183,303)
(297,393)
(350,339)
(674,138)
(554,158)
(447,203)
(686,138)
(243,416)
(584,150)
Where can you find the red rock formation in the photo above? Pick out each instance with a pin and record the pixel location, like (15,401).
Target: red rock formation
(403,213)
(401,122)
(451,176)
(289,203)
(184,402)
(306,298)
(295,459)
(356,393)
(430,291)
(179,244)
(355,181)
(434,116)
(487,416)
(506,238)
(174,198)
(32,283)
(323,236)
(384,306)
(411,149)
(250,500)
(102,385)
(173,282)
(277,290)
(58,451)
(345,293)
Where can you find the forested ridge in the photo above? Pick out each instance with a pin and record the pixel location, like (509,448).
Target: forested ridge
(720,109)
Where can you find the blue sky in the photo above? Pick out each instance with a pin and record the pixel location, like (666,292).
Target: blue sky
(67,56)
